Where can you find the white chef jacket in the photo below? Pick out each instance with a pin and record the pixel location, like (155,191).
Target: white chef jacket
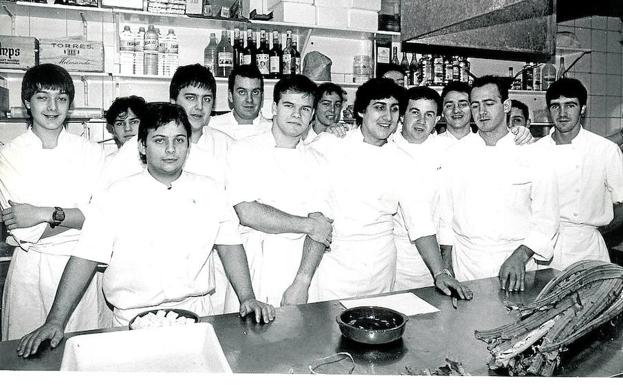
(62,176)
(206,157)
(453,139)
(590,181)
(228,124)
(411,271)
(493,199)
(288,180)
(157,241)
(366,189)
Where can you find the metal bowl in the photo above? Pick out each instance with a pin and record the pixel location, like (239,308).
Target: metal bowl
(180,313)
(372,324)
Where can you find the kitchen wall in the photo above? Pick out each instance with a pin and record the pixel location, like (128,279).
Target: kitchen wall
(600,70)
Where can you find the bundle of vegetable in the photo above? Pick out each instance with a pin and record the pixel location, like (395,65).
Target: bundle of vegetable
(583,297)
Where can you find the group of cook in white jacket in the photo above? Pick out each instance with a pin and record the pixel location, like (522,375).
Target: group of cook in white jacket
(242,213)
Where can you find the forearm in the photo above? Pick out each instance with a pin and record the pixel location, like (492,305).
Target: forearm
(616,222)
(312,255)
(429,250)
(236,268)
(446,256)
(76,277)
(268,219)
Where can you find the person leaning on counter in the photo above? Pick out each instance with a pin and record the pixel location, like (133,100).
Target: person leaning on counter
(498,201)
(135,226)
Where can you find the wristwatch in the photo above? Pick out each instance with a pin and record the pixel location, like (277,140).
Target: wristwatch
(442,271)
(58,216)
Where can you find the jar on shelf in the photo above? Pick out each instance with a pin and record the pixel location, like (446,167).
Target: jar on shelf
(362,68)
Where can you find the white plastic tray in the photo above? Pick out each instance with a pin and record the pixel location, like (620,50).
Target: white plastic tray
(189,348)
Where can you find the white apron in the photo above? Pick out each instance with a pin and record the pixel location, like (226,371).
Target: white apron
(200,305)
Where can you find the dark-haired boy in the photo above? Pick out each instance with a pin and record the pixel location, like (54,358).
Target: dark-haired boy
(329,100)
(246,96)
(276,190)
(47,176)
(498,201)
(590,176)
(123,117)
(157,258)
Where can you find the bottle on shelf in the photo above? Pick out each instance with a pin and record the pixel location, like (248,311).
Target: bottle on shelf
(162,49)
(210,55)
(126,51)
(275,57)
(404,63)
(395,56)
(296,56)
(413,71)
(438,68)
(447,69)
(171,53)
(464,63)
(527,78)
(248,54)
(139,52)
(427,70)
(562,71)
(287,55)
(238,47)
(151,51)
(456,68)
(536,79)
(225,53)
(548,75)
(262,55)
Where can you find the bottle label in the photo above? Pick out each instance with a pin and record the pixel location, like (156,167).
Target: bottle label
(262,63)
(246,59)
(151,43)
(274,64)
(225,59)
(297,65)
(382,55)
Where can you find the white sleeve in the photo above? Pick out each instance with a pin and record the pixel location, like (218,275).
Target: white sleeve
(445,209)
(97,235)
(614,173)
(242,180)
(228,233)
(416,203)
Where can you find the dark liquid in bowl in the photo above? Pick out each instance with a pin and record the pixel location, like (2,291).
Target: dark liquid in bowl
(371,324)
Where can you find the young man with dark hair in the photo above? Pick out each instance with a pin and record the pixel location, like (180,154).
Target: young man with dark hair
(498,201)
(519,115)
(395,73)
(156,258)
(47,176)
(590,176)
(367,188)
(123,117)
(330,98)
(277,192)
(246,97)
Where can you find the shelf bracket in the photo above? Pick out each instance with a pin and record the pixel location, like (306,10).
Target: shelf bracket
(86,90)
(84,26)
(12,16)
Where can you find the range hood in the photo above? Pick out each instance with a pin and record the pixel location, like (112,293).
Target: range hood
(506,29)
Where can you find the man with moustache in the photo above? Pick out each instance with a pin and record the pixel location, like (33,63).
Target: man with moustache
(367,189)
(277,192)
(152,265)
(498,201)
(590,176)
(246,97)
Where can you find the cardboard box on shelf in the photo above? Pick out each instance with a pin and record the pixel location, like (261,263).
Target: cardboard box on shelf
(370,5)
(363,19)
(272,3)
(17,52)
(332,17)
(333,3)
(73,55)
(294,13)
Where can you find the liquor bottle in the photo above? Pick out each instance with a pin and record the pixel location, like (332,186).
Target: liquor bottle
(210,54)
(296,57)
(413,71)
(427,70)
(447,69)
(139,52)
(248,54)
(456,68)
(171,53)
(383,51)
(395,56)
(225,53)
(438,68)
(275,57)
(151,51)
(404,63)
(562,71)
(537,77)
(286,68)
(548,75)
(527,78)
(126,51)
(262,55)
(464,63)
(238,48)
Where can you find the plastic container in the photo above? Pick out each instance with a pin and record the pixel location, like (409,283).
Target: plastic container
(171,53)
(151,51)
(362,68)
(126,51)
(139,51)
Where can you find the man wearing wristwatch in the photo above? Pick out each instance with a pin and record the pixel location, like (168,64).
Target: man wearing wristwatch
(47,176)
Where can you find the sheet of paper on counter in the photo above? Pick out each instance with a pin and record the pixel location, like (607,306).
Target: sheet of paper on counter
(406,303)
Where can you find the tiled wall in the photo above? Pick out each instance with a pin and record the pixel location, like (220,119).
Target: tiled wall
(600,70)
